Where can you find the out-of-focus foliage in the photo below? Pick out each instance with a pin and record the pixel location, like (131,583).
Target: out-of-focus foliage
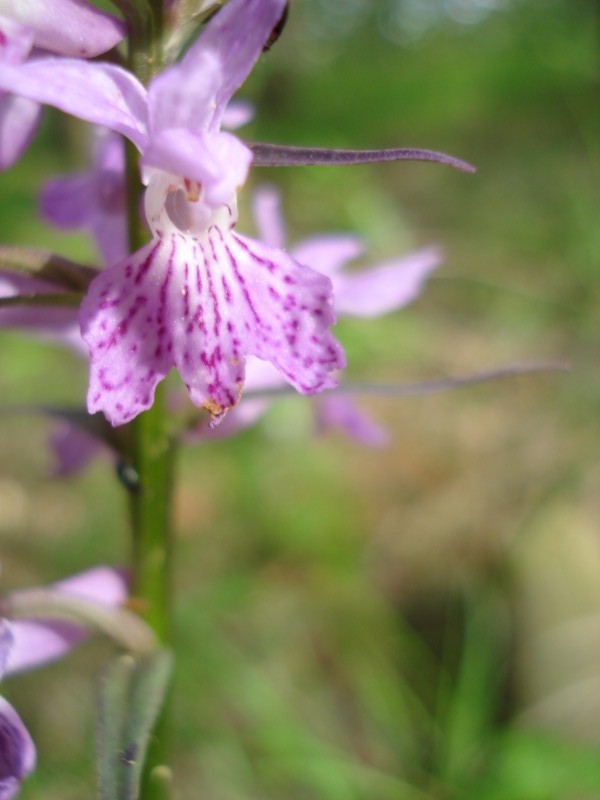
(418,622)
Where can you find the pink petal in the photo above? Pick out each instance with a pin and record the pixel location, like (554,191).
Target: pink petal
(182,96)
(94,201)
(237,114)
(100,93)
(234,39)
(382,289)
(38,641)
(19,119)
(245,414)
(219,161)
(104,585)
(202,305)
(72,449)
(68,27)
(270,225)
(328,253)
(260,376)
(17,751)
(337,411)
(125,323)
(7,641)
(65,202)
(16,40)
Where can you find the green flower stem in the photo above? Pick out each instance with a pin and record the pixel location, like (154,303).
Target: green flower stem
(151,501)
(150,472)
(151,504)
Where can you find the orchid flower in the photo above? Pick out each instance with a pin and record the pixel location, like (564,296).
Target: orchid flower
(369,292)
(66,27)
(27,643)
(94,201)
(198,296)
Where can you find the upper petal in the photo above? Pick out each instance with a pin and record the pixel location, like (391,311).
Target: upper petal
(218,161)
(384,288)
(100,93)
(68,27)
(184,98)
(234,38)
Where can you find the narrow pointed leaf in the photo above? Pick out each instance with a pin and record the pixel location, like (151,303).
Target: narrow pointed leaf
(46,266)
(278,155)
(131,697)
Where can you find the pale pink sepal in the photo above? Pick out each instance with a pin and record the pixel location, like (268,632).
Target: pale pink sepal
(100,93)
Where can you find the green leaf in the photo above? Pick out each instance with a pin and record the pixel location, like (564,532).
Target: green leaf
(539,766)
(131,697)
(476,694)
(47,267)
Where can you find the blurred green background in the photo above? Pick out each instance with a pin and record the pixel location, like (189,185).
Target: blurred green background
(421,621)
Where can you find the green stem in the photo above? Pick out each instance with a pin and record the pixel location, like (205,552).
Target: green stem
(151,505)
(152,449)
(151,502)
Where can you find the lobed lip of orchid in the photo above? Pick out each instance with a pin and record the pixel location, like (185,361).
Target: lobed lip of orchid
(280,155)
